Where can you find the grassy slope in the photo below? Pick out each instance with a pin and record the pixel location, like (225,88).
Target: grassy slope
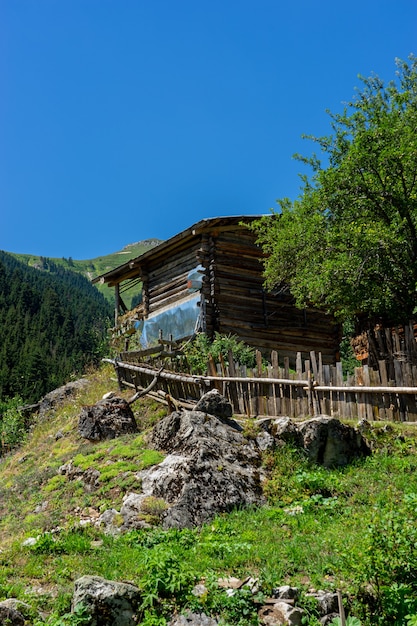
(314,533)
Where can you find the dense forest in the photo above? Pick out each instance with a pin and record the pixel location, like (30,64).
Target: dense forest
(53,324)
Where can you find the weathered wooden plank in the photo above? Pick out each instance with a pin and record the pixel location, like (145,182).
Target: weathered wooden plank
(262,393)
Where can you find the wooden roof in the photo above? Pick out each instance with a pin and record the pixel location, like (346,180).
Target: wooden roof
(134,267)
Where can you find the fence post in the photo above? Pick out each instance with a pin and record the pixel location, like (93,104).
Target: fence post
(310,392)
(341,609)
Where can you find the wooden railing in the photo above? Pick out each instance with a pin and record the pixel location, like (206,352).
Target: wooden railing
(276,390)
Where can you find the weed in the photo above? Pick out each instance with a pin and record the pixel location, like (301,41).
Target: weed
(238,607)
(154,506)
(166,577)
(78,617)
(197,352)
(250,429)
(151,618)
(350,621)
(13,424)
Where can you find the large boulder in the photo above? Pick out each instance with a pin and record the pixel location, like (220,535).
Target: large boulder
(10,615)
(326,440)
(210,468)
(215,404)
(331,443)
(107,419)
(109,603)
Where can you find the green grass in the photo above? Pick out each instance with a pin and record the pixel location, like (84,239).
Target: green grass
(353,529)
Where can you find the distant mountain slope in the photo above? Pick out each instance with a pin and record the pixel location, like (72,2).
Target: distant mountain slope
(53,323)
(94,267)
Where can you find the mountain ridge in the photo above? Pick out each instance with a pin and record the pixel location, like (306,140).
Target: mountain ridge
(90,268)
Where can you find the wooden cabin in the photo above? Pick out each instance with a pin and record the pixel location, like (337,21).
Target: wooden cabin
(209,278)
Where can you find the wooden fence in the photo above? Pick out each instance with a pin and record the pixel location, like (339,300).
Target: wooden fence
(276,390)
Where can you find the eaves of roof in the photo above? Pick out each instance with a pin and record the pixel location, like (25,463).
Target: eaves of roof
(133,267)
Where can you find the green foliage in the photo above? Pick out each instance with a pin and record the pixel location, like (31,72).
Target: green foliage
(53,325)
(95,267)
(13,424)
(238,608)
(348,244)
(78,617)
(390,562)
(166,577)
(66,542)
(350,621)
(151,618)
(197,352)
(347,354)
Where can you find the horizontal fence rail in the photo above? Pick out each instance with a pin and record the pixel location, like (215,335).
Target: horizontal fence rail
(273,390)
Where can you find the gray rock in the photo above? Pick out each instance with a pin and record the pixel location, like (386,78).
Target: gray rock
(331,443)
(89,477)
(214,403)
(107,419)
(281,613)
(107,519)
(265,441)
(109,603)
(284,430)
(132,511)
(10,615)
(327,604)
(211,467)
(193,619)
(328,620)
(200,590)
(58,396)
(29,542)
(285,592)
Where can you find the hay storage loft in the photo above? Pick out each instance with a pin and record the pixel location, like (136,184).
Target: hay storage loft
(208,278)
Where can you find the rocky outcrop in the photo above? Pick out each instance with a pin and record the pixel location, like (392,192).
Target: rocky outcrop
(211,467)
(107,419)
(60,395)
(326,440)
(331,443)
(108,603)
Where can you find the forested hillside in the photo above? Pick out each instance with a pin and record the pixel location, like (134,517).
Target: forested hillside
(95,267)
(53,323)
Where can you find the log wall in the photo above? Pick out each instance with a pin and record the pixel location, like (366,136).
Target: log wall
(234,300)
(259,318)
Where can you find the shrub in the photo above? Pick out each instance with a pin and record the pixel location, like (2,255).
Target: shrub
(390,563)
(197,352)
(13,425)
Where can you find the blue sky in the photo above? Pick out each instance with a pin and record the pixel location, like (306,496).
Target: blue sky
(123,120)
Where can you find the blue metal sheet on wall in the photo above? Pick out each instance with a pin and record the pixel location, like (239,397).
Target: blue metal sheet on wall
(180,320)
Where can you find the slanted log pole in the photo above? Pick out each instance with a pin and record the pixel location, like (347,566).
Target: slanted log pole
(143,392)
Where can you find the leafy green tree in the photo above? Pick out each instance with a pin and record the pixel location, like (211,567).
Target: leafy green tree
(348,244)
